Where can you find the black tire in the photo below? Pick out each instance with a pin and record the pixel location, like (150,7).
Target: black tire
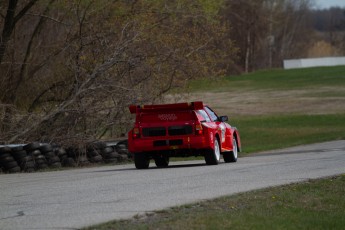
(32,146)
(3,155)
(40,157)
(10,164)
(97,145)
(63,157)
(162,161)
(82,161)
(17,148)
(5,149)
(25,159)
(56,165)
(123,151)
(28,164)
(122,157)
(49,154)
(141,160)
(46,148)
(42,166)
(6,159)
(107,150)
(96,159)
(69,162)
(19,154)
(92,153)
(111,155)
(14,170)
(39,162)
(212,156)
(232,155)
(35,152)
(53,160)
(60,152)
(121,146)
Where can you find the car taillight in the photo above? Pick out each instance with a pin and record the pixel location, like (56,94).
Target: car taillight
(136,133)
(198,129)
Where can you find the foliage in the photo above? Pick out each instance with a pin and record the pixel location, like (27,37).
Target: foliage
(85,61)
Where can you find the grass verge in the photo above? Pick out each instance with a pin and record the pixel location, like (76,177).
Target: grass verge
(263,133)
(315,204)
(275,80)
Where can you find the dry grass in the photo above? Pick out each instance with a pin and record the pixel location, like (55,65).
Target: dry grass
(324,100)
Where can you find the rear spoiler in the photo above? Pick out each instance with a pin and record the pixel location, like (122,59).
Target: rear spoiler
(196,105)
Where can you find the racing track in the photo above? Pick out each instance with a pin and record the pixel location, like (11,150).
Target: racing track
(76,198)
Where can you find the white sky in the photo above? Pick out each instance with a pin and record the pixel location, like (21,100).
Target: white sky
(329,3)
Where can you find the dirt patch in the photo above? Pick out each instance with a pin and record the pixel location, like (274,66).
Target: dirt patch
(307,101)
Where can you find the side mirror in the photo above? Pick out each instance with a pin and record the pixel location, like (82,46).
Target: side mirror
(223,118)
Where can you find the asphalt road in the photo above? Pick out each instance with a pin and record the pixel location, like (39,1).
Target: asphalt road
(75,198)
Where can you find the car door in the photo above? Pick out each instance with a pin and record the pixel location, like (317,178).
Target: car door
(221,127)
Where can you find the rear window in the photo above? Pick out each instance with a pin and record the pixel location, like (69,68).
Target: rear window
(203,116)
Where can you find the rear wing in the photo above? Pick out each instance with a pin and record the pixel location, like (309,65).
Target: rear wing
(170,107)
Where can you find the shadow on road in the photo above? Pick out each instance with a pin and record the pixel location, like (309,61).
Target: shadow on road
(151,168)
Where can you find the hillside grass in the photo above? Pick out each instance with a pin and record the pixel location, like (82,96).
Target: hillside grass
(315,204)
(275,132)
(279,128)
(275,80)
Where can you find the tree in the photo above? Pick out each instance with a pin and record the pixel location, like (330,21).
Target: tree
(105,55)
(267,31)
(10,21)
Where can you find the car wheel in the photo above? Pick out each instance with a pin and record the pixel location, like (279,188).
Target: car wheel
(141,160)
(232,155)
(162,161)
(212,157)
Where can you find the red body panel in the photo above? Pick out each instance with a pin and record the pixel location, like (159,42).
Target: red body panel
(183,129)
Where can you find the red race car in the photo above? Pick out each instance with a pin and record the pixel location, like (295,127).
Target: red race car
(181,130)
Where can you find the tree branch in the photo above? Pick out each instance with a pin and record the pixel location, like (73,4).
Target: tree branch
(24,10)
(50,18)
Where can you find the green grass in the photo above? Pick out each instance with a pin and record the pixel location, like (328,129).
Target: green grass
(271,131)
(275,80)
(315,204)
(274,132)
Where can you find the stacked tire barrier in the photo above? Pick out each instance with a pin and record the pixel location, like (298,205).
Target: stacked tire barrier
(122,149)
(7,162)
(66,161)
(25,161)
(52,159)
(37,156)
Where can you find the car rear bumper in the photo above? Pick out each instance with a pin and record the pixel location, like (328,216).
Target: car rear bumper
(168,143)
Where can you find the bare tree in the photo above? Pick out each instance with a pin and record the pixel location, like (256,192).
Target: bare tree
(267,31)
(105,55)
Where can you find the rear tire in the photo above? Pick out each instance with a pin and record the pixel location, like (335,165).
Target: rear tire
(232,155)
(212,156)
(141,160)
(162,161)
